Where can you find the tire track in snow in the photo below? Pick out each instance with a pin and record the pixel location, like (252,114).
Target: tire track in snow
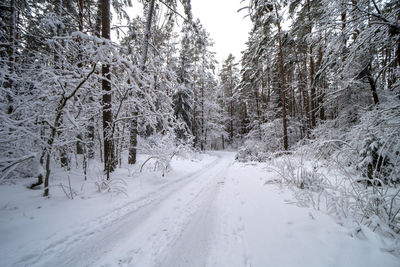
(59,246)
(192,246)
(230,247)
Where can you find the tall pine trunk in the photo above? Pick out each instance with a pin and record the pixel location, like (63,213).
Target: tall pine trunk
(311,65)
(231,110)
(203,137)
(194,124)
(79,144)
(106,86)
(11,55)
(283,85)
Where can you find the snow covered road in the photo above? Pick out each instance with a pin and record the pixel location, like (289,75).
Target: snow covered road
(222,214)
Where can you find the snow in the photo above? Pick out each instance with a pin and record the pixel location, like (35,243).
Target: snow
(208,211)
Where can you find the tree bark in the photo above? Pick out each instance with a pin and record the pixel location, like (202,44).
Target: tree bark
(263,106)
(202,117)
(106,86)
(321,95)
(343,19)
(256,94)
(311,65)
(372,84)
(146,40)
(79,143)
(231,109)
(306,97)
(194,128)
(133,141)
(283,85)
(11,55)
(80,27)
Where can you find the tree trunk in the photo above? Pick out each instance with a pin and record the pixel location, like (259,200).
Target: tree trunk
(134,124)
(11,55)
(306,97)
(343,19)
(322,86)
(80,27)
(40,176)
(90,138)
(263,107)
(194,128)
(145,48)
(202,117)
(79,145)
(133,141)
(283,85)
(106,86)
(372,84)
(257,104)
(231,109)
(99,19)
(312,88)
(49,148)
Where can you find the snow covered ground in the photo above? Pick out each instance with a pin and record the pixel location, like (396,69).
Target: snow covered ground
(211,211)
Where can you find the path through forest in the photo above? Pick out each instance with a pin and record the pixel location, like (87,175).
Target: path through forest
(223,214)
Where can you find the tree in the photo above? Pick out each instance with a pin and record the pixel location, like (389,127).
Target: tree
(109,163)
(183,97)
(56,56)
(259,9)
(229,76)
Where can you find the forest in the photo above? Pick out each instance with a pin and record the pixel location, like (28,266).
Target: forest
(92,88)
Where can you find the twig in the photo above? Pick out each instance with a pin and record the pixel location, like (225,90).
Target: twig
(70,188)
(152,157)
(17,161)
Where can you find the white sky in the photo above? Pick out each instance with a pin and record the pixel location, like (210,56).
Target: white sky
(228,28)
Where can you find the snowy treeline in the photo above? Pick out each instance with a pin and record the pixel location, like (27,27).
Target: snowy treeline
(324,77)
(84,80)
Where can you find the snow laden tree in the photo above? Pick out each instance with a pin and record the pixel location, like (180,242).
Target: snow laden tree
(229,79)
(255,85)
(109,161)
(336,67)
(83,90)
(337,62)
(266,15)
(205,106)
(183,97)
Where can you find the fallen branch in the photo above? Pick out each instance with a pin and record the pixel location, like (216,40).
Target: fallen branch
(10,167)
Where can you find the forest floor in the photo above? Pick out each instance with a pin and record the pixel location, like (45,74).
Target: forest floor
(209,211)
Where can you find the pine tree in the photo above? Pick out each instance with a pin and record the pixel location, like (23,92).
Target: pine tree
(229,76)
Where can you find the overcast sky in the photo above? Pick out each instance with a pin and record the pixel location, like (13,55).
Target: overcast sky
(228,28)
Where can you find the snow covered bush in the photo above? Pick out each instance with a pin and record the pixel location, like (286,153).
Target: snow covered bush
(293,171)
(379,150)
(373,163)
(114,186)
(364,155)
(340,193)
(265,139)
(252,150)
(370,145)
(161,148)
